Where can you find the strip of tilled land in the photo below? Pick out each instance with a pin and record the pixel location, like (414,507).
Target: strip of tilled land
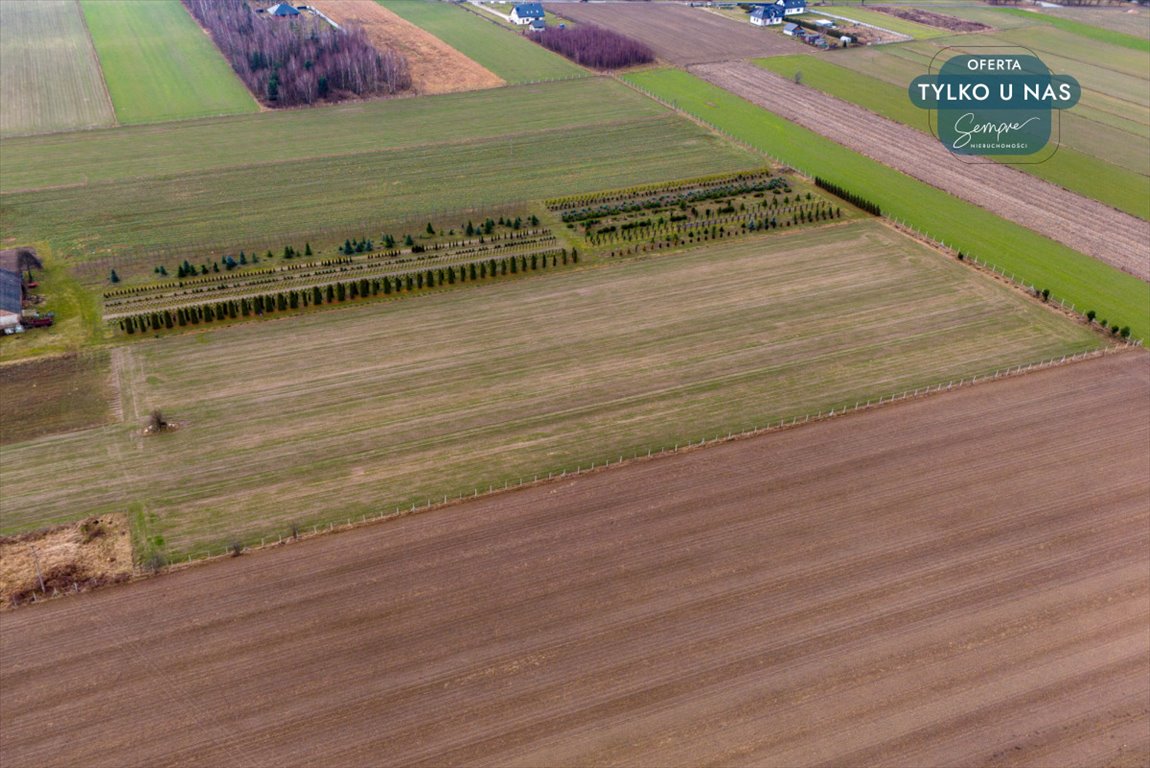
(959,580)
(1085,225)
(682,35)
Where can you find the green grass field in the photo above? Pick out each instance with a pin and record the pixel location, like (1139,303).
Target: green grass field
(1121,188)
(145,190)
(131,224)
(159,65)
(355,412)
(149,151)
(1091,32)
(50,79)
(503,51)
(1069,275)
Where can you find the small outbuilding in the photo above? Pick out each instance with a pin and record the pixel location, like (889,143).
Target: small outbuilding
(791,29)
(525,13)
(537,26)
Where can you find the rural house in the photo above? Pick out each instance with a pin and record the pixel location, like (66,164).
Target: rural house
(282,9)
(525,13)
(792,7)
(767,15)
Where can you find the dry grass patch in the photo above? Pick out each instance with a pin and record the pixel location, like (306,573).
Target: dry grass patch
(67,558)
(435,66)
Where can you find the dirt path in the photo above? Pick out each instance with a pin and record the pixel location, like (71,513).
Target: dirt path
(1085,225)
(435,66)
(960,580)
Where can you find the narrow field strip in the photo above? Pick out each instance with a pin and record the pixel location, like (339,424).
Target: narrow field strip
(504,52)
(51,78)
(318,418)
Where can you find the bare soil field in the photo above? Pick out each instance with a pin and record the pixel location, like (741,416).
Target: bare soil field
(1095,229)
(957,580)
(435,66)
(51,395)
(679,34)
(932,19)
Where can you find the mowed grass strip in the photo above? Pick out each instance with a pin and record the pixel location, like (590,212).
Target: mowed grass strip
(50,80)
(108,224)
(355,412)
(1069,275)
(159,65)
(147,151)
(504,52)
(1122,188)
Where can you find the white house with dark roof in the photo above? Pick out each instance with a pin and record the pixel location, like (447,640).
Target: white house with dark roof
(525,13)
(767,15)
(281,9)
(792,7)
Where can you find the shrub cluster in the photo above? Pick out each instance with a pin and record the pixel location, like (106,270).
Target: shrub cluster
(850,197)
(595,47)
(288,62)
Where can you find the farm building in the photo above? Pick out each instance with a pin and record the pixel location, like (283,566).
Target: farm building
(14,264)
(525,13)
(767,15)
(791,7)
(282,9)
(537,26)
(791,29)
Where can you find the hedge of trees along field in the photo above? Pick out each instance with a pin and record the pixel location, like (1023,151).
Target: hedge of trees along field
(595,47)
(345,291)
(300,60)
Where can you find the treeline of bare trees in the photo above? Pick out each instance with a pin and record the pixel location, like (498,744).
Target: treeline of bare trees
(287,62)
(595,47)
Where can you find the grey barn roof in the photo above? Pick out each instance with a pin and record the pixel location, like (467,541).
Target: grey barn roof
(11,299)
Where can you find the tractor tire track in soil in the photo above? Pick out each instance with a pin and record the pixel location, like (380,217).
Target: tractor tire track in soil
(960,579)
(1085,225)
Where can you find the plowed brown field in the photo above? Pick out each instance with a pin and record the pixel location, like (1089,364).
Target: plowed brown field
(435,66)
(1085,225)
(958,580)
(682,35)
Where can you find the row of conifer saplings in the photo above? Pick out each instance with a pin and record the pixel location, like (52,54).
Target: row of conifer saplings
(344,291)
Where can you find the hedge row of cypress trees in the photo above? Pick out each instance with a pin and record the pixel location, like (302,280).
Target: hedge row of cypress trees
(338,292)
(850,197)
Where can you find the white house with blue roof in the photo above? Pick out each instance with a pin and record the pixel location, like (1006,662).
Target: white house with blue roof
(767,15)
(525,13)
(792,7)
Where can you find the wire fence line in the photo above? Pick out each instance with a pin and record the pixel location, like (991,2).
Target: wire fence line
(581,469)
